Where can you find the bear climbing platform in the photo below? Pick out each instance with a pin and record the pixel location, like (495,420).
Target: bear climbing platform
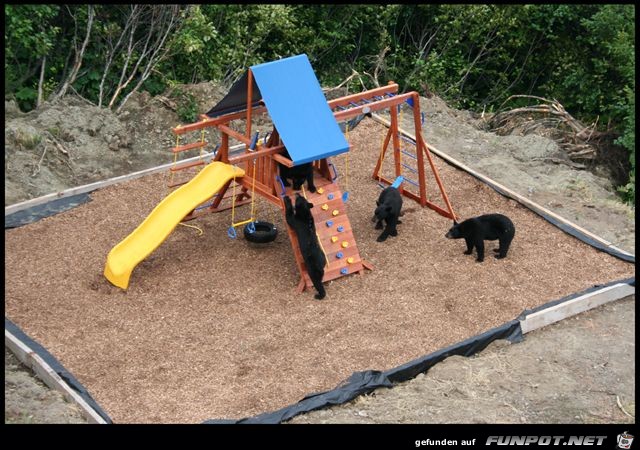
(334,231)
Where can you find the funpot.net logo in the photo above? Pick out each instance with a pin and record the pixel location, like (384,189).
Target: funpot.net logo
(546,440)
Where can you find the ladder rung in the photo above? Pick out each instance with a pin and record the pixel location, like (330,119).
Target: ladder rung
(186,166)
(411,155)
(184,148)
(406,139)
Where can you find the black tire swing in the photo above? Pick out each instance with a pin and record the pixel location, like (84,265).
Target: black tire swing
(260,232)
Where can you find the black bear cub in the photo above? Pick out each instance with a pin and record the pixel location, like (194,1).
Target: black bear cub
(298,174)
(304,226)
(388,209)
(487,227)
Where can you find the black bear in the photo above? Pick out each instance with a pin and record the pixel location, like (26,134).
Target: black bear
(487,227)
(298,174)
(388,209)
(304,226)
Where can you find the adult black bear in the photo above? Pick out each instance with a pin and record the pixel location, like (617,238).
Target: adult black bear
(298,174)
(388,209)
(304,226)
(487,227)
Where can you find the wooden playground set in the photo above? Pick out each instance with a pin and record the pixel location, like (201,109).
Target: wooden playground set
(305,125)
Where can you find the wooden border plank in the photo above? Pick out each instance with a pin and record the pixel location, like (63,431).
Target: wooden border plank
(100,184)
(521,199)
(34,362)
(575,306)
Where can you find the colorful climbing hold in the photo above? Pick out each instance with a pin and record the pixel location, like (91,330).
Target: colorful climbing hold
(339,255)
(320,190)
(334,239)
(330,196)
(345,244)
(325,207)
(329,223)
(335,212)
(340,229)
(350,260)
(344,271)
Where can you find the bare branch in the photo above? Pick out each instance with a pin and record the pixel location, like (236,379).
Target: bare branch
(159,22)
(129,23)
(168,21)
(41,81)
(79,55)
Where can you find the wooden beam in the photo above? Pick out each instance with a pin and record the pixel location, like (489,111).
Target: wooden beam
(215,121)
(49,376)
(261,189)
(417,124)
(575,306)
(234,134)
(391,88)
(273,151)
(373,106)
(249,95)
(283,160)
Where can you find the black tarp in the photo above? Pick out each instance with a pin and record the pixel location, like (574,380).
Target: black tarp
(37,212)
(236,98)
(363,382)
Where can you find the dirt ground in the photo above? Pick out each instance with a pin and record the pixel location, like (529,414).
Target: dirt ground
(57,148)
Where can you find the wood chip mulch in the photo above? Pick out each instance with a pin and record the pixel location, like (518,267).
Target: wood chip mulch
(212,327)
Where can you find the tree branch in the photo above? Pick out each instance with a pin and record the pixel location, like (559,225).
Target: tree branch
(78,57)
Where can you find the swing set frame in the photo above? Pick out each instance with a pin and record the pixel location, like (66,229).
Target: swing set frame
(263,161)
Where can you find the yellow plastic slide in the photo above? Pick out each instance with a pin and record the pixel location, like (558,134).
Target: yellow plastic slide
(125,256)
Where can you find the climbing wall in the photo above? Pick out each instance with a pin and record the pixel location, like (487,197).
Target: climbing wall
(334,232)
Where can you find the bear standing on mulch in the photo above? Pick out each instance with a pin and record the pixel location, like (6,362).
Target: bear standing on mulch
(304,226)
(487,227)
(388,209)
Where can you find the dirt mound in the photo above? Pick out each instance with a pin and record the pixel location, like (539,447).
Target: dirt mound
(71,142)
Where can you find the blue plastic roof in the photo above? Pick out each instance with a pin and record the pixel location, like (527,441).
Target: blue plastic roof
(299,109)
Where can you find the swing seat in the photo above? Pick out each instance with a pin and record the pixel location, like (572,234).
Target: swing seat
(260,232)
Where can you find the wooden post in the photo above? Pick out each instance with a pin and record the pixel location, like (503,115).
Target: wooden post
(418,129)
(436,175)
(376,171)
(224,148)
(396,142)
(249,101)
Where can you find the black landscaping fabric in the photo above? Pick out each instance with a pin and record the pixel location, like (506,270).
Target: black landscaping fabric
(53,207)
(56,366)
(236,98)
(364,382)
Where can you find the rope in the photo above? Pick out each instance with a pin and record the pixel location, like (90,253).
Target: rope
(201,148)
(200,232)
(253,203)
(326,258)
(175,159)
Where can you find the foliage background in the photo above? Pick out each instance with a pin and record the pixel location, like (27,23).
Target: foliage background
(473,56)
